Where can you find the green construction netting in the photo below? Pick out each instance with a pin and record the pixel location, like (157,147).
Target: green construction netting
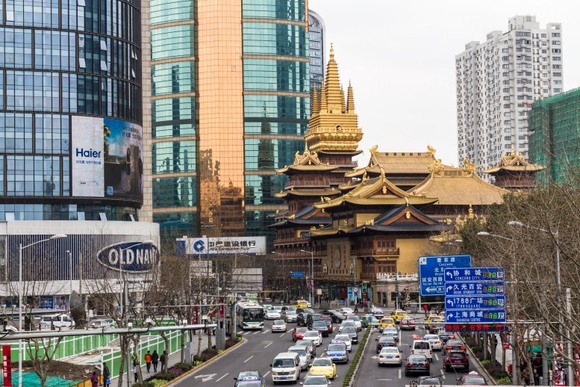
(30,379)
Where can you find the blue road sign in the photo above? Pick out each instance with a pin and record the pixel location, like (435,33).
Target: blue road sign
(431,276)
(475,288)
(474,274)
(475,316)
(297,274)
(474,302)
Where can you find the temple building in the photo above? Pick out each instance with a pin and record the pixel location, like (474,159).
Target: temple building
(514,172)
(360,231)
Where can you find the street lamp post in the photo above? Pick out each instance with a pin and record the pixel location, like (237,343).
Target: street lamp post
(555,235)
(311,275)
(20,291)
(70,276)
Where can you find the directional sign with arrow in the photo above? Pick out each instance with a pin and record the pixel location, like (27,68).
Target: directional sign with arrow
(431,279)
(474,302)
(475,288)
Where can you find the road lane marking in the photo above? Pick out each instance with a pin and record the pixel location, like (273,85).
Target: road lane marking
(255,333)
(267,345)
(226,374)
(400,373)
(267,373)
(282,335)
(266,331)
(248,359)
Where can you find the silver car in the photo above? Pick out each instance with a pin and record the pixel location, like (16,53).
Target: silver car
(305,356)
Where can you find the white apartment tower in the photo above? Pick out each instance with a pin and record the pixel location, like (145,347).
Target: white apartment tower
(498,80)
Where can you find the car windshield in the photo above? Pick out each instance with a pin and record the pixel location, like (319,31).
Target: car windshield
(429,382)
(304,343)
(342,337)
(322,362)
(311,334)
(353,318)
(319,324)
(301,330)
(279,322)
(456,354)
(315,381)
(422,345)
(417,359)
(349,330)
(336,347)
(283,363)
(252,383)
(473,380)
(389,350)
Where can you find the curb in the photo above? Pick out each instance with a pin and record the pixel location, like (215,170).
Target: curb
(354,374)
(205,363)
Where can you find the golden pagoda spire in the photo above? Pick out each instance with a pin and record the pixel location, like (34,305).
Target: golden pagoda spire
(315,107)
(349,99)
(333,94)
(332,125)
(323,105)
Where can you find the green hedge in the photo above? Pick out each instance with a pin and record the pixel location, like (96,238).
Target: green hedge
(359,353)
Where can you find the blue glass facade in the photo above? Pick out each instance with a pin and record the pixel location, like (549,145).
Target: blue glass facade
(60,60)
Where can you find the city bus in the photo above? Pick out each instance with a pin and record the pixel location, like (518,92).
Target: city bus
(250,315)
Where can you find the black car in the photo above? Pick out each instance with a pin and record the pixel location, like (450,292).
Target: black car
(311,318)
(385,341)
(336,317)
(321,327)
(417,364)
(300,320)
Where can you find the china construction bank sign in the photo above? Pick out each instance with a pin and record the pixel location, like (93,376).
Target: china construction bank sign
(227,245)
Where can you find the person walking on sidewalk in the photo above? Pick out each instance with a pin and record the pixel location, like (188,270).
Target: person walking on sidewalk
(95,379)
(164,361)
(148,361)
(106,376)
(155,360)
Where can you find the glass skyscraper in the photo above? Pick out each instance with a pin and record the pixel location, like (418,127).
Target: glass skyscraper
(71,140)
(230,104)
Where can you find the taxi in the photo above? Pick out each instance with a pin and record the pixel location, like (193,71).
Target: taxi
(323,366)
(300,304)
(433,322)
(386,322)
(398,315)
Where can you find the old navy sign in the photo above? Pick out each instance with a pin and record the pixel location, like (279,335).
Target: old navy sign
(134,257)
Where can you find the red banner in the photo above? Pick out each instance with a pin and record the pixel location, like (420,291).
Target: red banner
(195,315)
(6,365)
(222,311)
(476,327)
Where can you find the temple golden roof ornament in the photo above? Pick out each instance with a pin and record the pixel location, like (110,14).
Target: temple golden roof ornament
(315,102)
(349,99)
(469,167)
(436,167)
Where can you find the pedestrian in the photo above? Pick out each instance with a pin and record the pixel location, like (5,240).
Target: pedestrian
(106,376)
(135,372)
(95,379)
(155,360)
(164,361)
(425,309)
(148,361)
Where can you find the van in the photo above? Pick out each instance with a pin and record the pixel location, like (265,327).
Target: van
(422,347)
(286,367)
(56,321)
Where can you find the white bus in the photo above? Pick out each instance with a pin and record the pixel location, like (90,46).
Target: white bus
(250,315)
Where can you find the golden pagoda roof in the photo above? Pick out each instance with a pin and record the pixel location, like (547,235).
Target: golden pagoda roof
(375,192)
(514,162)
(397,162)
(307,161)
(458,186)
(322,192)
(333,123)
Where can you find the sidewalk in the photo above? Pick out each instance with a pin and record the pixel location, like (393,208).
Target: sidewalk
(94,359)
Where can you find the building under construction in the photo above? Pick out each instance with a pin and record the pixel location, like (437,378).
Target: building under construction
(555,140)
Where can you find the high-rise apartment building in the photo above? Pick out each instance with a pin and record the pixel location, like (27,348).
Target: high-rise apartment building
(498,80)
(229,105)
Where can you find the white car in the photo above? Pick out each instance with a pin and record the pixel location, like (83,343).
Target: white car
(272,314)
(345,339)
(313,336)
(435,340)
(357,321)
(346,323)
(316,381)
(390,356)
(305,357)
(291,316)
(279,326)
(346,311)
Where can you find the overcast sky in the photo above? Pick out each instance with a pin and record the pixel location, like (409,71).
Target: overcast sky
(400,58)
